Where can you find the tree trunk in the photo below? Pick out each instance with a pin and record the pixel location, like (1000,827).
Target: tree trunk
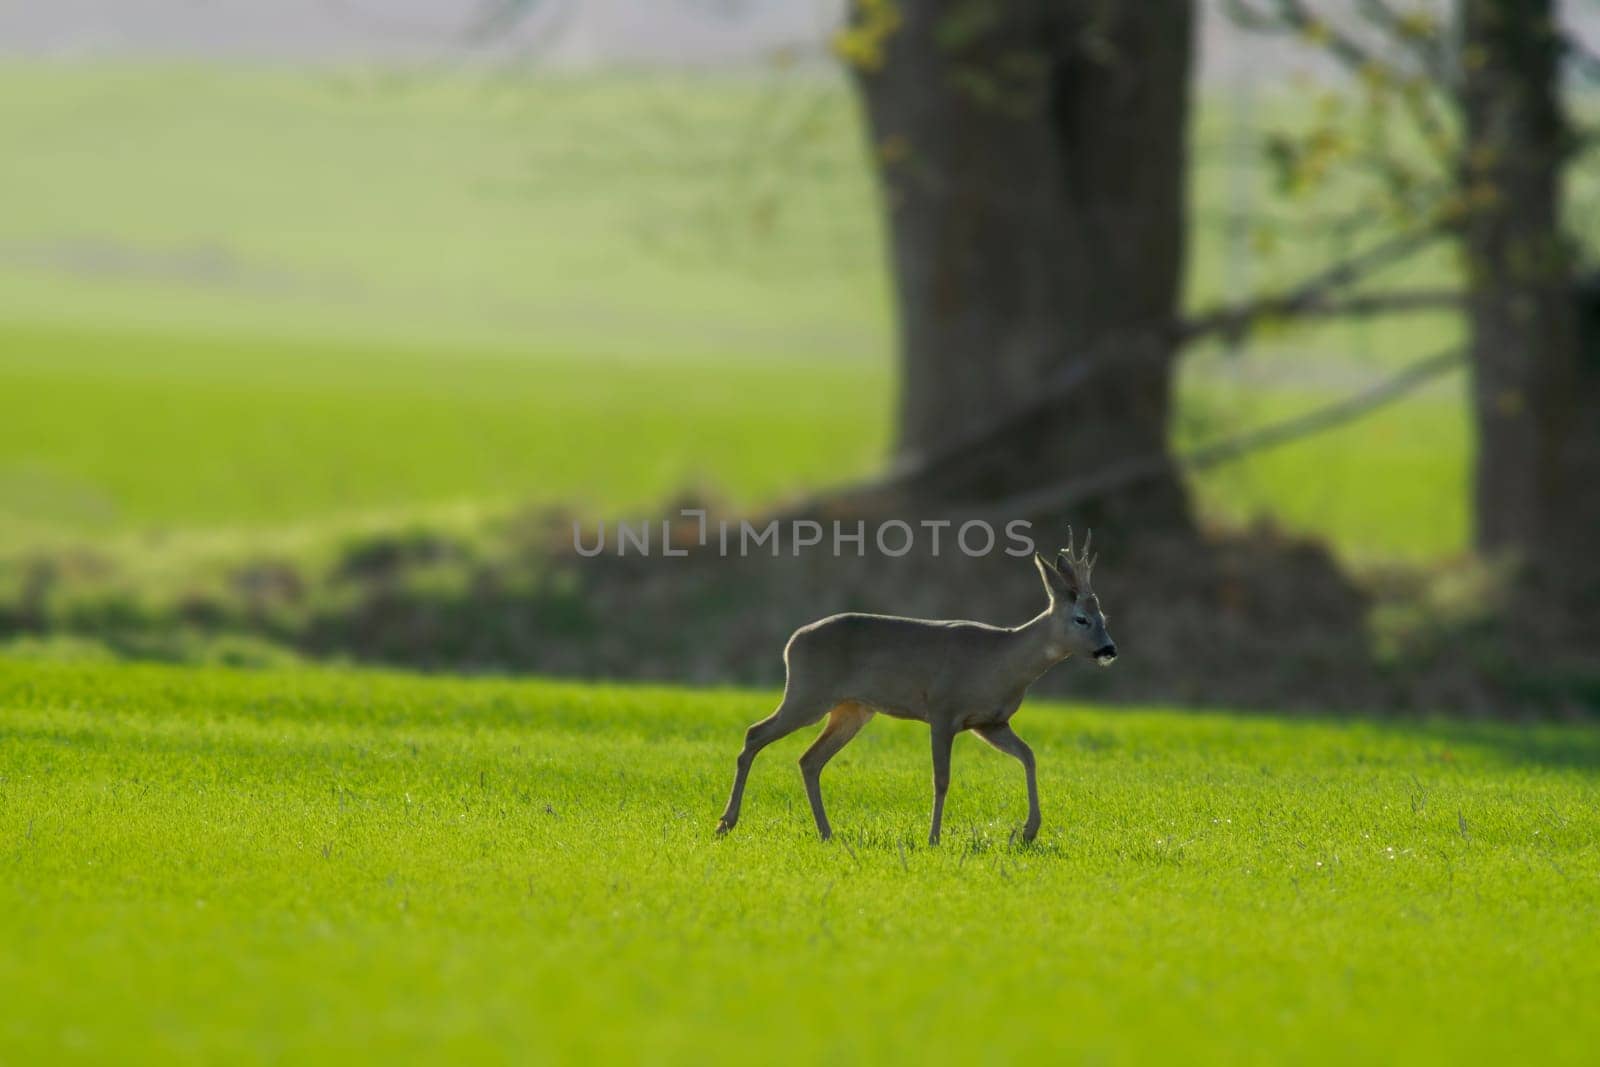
(1524,329)
(1581,454)
(1033,160)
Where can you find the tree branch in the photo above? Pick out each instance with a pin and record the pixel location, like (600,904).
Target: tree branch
(1409,32)
(1292,16)
(1152,344)
(907,469)
(1075,492)
(1584,60)
(1234,322)
(1395,302)
(495,18)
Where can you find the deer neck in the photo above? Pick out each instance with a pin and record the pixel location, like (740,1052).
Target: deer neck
(1035,648)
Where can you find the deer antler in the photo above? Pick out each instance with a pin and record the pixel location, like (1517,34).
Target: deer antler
(1082,562)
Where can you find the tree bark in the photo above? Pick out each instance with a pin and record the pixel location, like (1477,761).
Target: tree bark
(1581,453)
(1033,159)
(1521,308)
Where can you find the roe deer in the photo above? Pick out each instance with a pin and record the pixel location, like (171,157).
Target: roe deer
(954,676)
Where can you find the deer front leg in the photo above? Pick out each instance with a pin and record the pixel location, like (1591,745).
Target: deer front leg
(943,738)
(1002,737)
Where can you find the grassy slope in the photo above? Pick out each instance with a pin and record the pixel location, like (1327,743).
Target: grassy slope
(248,298)
(214,865)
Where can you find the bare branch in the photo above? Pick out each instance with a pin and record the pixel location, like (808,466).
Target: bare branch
(1153,344)
(1407,31)
(1379,13)
(908,469)
(1292,16)
(1066,495)
(1581,56)
(1247,17)
(497,17)
(1396,302)
(1423,106)
(1402,194)
(1310,294)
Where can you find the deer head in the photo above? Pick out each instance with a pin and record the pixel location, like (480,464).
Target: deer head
(1077,623)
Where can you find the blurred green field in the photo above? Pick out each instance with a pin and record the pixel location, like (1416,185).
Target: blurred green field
(112,431)
(245,299)
(203,866)
(653,217)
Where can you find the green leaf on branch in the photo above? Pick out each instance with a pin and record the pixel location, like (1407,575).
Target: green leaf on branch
(862,43)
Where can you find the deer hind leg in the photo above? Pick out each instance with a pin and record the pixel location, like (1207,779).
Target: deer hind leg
(796,712)
(1002,737)
(844,722)
(943,738)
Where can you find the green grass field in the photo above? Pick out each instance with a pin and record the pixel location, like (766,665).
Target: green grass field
(245,300)
(205,866)
(252,315)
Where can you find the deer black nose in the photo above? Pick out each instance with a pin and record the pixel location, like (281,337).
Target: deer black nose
(1106,652)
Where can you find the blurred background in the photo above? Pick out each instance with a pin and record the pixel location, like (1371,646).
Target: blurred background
(323,321)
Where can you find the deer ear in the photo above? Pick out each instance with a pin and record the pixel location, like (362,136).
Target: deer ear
(1069,574)
(1060,585)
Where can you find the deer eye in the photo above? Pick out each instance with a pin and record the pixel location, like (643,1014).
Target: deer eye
(1080,620)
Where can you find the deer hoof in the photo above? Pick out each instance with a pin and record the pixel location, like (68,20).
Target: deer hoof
(1029,833)
(724,825)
